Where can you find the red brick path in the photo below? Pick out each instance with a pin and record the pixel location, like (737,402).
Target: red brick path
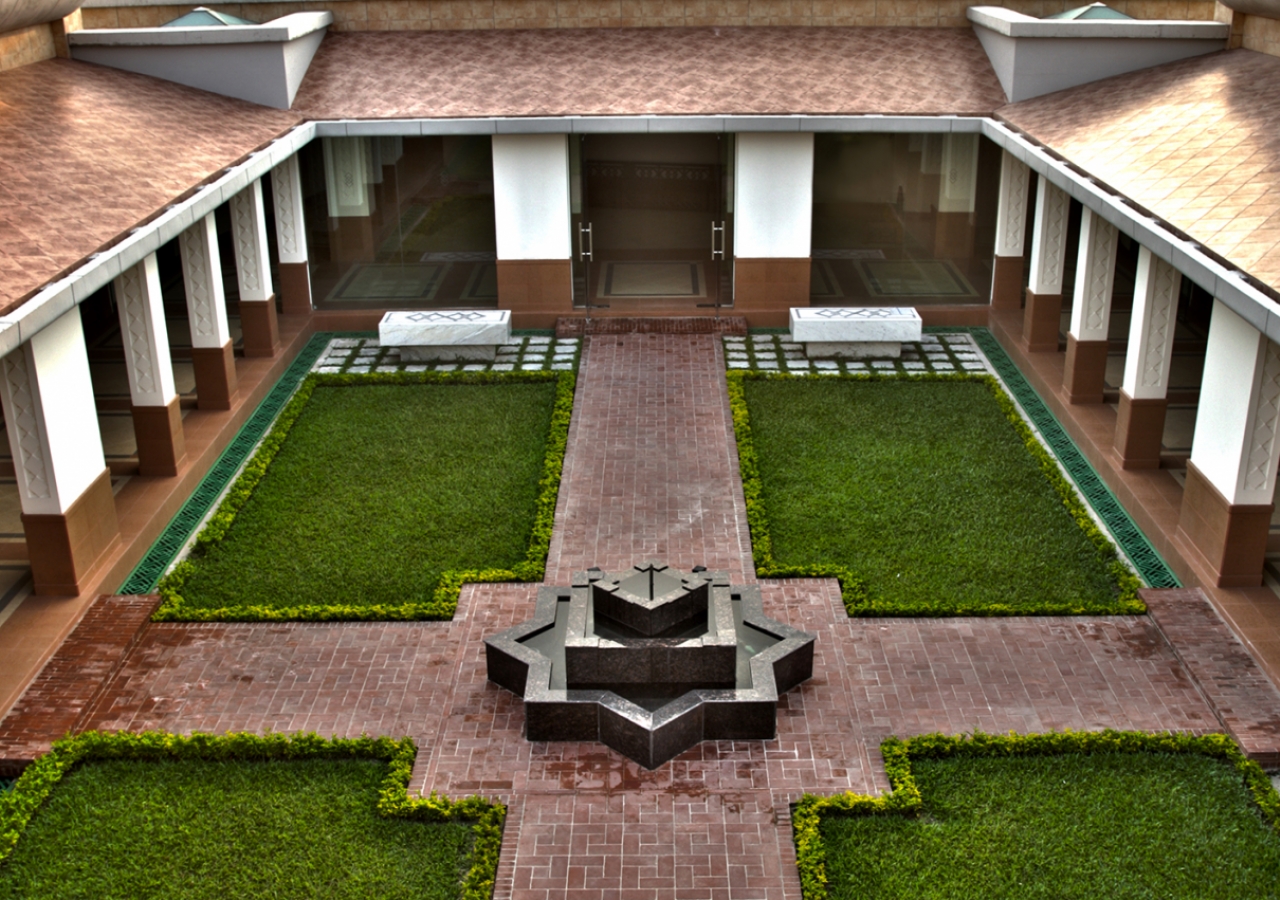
(652,471)
(588,824)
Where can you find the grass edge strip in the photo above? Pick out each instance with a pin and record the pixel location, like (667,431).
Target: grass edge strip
(904,796)
(38,780)
(444,601)
(853,589)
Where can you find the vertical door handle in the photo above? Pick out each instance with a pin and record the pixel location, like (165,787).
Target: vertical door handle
(586,242)
(717,252)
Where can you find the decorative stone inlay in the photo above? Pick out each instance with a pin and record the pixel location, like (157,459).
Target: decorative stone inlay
(446,335)
(1049,242)
(854,332)
(650,661)
(24,416)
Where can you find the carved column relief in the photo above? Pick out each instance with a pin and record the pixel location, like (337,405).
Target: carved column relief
(25,424)
(286,191)
(1095,278)
(1049,242)
(1257,481)
(1155,309)
(1011,213)
(142,328)
(249,233)
(202,276)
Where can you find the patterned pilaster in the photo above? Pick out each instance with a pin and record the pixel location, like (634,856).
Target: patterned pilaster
(286,192)
(1011,213)
(142,329)
(24,421)
(1155,308)
(1257,480)
(249,233)
(1049,241)
(1095,278)
(202,276)
(346,173)
(959,172)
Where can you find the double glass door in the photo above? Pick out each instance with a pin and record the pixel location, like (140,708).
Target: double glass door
(652,220)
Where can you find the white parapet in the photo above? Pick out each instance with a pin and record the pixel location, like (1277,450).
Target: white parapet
(854,333)
(446,334)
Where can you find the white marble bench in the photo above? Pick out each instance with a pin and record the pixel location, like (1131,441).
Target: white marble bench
(854,332)
(445,335)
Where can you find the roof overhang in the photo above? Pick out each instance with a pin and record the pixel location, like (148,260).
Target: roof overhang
(1251,301)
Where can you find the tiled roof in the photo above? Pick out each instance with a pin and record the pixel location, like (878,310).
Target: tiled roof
(88,152)
(650,71)
(1196,142)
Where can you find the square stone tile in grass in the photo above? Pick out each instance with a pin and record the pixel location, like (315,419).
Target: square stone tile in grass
(1060,826)
(378,495)
(921,495)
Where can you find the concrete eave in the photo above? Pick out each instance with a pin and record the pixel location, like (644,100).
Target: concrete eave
(1015,24)
(278,31)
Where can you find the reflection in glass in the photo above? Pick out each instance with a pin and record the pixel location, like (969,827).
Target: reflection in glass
(903,220)
(404,222)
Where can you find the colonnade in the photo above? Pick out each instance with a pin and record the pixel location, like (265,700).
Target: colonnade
(1228,498)
(68,509)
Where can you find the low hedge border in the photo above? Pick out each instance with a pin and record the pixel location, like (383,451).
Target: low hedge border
(853,590)
(905,799)
(42,776)
(444,601)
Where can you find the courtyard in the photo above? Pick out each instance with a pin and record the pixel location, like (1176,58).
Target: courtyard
(651,471)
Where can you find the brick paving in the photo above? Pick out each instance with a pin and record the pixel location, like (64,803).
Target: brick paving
(588,824)
(651,470)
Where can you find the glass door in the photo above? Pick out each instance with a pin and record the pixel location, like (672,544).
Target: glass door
(582,237)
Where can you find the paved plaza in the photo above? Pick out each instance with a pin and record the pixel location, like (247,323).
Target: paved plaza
(651,473)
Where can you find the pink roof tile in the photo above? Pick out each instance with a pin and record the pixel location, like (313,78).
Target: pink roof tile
(1195,142)
(88,152)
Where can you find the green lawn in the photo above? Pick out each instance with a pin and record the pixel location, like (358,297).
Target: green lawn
(1116,826)
(189,829)
(924,490)
(377,490)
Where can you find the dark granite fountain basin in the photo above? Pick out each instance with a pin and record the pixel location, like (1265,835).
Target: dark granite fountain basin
(650,662)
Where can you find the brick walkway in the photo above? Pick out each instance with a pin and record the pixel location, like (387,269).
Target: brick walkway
(651,472)
(587,824)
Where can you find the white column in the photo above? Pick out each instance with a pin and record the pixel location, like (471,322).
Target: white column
(1049,239)
(346,175)
(1235,446)
(51,418)
(531,196)
(142,329)
(773,202)
(202,276)
(959,173)
(286,192)
(249,232)
(1155,310)
(1095,278)
(1011,211)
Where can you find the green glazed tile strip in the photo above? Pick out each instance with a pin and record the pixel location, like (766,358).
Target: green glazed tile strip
(151,569)
(1150,565)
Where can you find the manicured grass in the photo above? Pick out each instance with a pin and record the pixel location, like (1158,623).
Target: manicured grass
(924,490)
(190,829)
(1114,825)
(378,490)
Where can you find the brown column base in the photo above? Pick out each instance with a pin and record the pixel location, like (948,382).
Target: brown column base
(1232,539)
(537,291)
(259,327)
(1140,431)
(66,548)
(162,447)
(215,369)
(1041,321)
(764,290)
(1006,283)
(295,288)
(1085,374)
